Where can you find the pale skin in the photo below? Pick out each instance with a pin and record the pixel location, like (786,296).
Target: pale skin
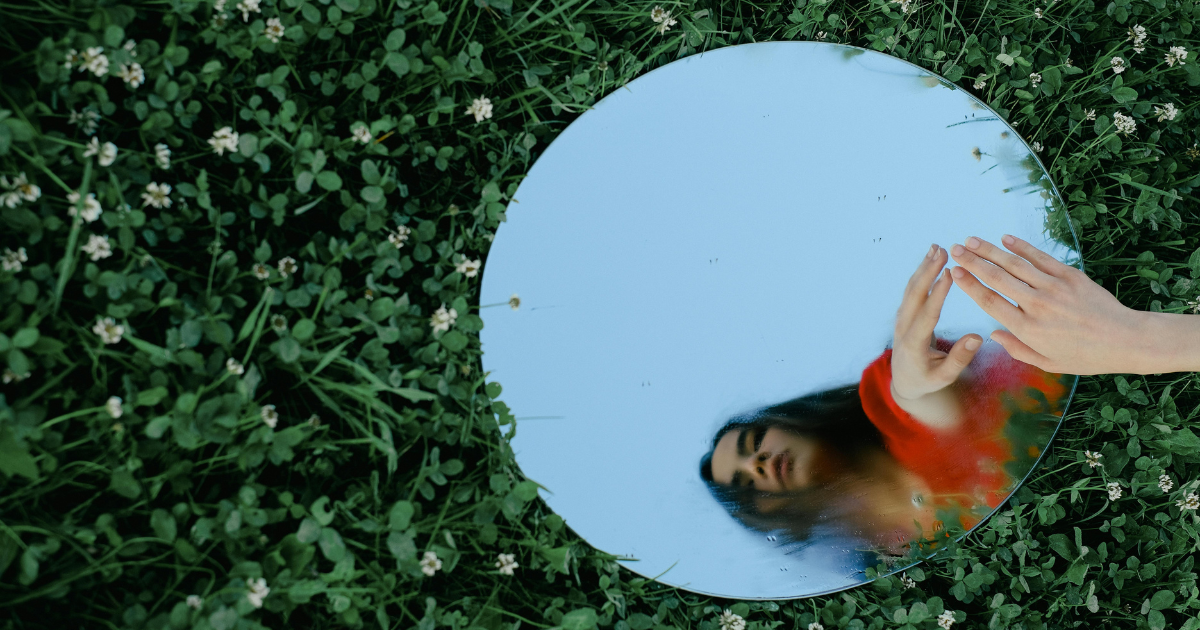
(776,461)
(1065,323)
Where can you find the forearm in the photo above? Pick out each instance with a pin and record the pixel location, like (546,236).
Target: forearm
(938,410)
(1167,342)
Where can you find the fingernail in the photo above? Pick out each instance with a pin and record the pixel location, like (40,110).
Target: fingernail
(957,250)
(972,344)
(929,254)
(973,243)
(958,272)
(1008,240)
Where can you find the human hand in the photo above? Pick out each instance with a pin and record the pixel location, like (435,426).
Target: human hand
(1064,323)
(918,369)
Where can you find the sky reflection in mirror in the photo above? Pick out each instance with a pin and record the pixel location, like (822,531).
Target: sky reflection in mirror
(731,231)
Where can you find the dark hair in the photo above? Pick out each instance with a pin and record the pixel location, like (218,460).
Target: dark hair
(835,417)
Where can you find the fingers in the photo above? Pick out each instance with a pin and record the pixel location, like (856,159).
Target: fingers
(1044,262)
(1021,352)
(959,358)
(927,319)
(991,302)
(1008,274)
(917,290)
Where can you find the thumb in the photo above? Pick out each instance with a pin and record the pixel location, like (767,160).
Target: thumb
(1018,350)
(960,356)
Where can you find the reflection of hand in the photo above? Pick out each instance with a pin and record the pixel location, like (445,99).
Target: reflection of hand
(1065,323)
(917,368)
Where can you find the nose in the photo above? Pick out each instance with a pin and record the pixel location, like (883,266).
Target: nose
(758,465)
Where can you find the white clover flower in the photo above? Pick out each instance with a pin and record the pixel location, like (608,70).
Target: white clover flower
(72,59)
(398,237)
(1125,124)
(287,266)
(129,47)
(12,377)
(1036,146)
(258,587)
(21,188)
(506,562)
(1190,502)
(907,582)
(1176,56)
(224,139)
(731,621)
(906,6)
(194,601)
(1138,35)
(162,156)
(269,415)
(95,60)
(11,260)
(132,74)
(233,367)
(369,295)
(279,323)
(469,268)
(314,421)
(1165,113)
(430,563)
(157,195)
(442,320)
(946,619)
(1037,13)
(514,302)
(107,153)
(113,406)
(247,7)
(92,148)
(261,271)
(1067,63)
(1118,65)
(816,625)
(1093,459)
(481,108)
(666,23)
(1114,490)
(658,14)
(1091,114)
(1035,79)
(91,207)
(1164,483)
(274,30)
(980,83)
(10,199)
(361,133)
(108,330)
(85,119)
(218,6)
(821,35)
(97,247)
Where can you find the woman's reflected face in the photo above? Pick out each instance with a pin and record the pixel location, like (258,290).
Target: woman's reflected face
(768,459)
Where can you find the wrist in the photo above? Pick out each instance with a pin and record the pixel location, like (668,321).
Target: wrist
(1165,343)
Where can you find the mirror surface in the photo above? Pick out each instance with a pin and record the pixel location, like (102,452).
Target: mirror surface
(733,231)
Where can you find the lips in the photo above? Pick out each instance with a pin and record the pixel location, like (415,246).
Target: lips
(782,463)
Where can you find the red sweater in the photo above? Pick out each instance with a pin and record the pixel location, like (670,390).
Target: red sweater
(963,466)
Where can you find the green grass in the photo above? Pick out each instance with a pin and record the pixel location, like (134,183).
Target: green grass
(114,522)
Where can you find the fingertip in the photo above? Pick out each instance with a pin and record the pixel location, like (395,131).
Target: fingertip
(1008,240)
(972,344)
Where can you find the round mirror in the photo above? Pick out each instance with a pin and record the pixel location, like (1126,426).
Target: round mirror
(709,266)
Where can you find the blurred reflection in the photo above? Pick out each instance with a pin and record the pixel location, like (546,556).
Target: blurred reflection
(722,235)
(851,458)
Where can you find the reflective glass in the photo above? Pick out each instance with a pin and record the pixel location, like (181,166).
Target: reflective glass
(715,244)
